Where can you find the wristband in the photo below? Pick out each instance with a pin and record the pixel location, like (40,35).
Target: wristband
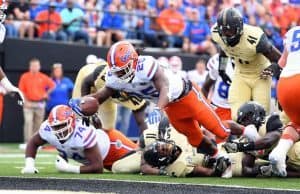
(29,162)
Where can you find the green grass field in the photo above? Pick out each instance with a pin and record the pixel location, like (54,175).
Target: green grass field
(12,160)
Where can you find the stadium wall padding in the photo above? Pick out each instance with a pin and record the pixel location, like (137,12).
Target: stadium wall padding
(15,55)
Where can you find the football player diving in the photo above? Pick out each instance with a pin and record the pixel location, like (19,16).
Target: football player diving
(254,58)
(107,111)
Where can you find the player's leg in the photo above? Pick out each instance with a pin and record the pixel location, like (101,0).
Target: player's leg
(261,93)
(293,162)
(278,155)
(107,113)
(120,145)
(128,164)
(223,113)
(239,93)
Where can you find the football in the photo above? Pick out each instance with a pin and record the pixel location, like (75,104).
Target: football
(89,105)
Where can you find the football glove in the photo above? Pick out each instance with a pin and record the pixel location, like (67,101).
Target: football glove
(13,90)
(154,117)
(29,167)
(265,170)
(222,164)
(233,147)
(63,166)
(271,70)
(74,103)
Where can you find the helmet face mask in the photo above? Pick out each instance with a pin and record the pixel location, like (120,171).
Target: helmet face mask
(160,153)
(122,59)
(230,26)
(3,8)
(62,122)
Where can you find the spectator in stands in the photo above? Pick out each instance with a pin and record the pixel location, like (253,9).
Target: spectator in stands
(63,89)
(152,32)
(273,36)
(94,18)
(130,19)
(49,24)
(73,20)
(197,38)
(172,23)
(210,16)
(175,64)
(11,30)
(198,75)
(36,87)
(112,24)
(142,12)
(19,11)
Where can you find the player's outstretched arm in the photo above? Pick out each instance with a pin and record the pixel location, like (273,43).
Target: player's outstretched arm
(162,85)
(87,83)
(92,155)
(30,153)
(95,161)
(149,170)
(139,116)
(199,171)
(103,94)
(207,85)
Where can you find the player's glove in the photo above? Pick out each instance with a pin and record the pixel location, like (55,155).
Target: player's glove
(271,70)
(265,170)
(13,90)
(225,77)
(63,166)
(154,117)
(233,147)
(74,103)
(222,164)
(29,167)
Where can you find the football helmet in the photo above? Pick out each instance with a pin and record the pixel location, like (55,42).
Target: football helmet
(251,113)
(3,7)
(230,26)
(160,153)
(62,122)
(122,59)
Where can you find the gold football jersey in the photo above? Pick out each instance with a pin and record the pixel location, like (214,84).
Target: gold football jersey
(83,72)
(187,160)
(247,61)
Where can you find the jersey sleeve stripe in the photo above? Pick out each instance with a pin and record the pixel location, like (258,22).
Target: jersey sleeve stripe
(89,136)
(91,142)
(152,69)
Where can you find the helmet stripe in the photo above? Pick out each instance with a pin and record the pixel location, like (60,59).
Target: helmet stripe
(54,113)
(224,16)
(113,52)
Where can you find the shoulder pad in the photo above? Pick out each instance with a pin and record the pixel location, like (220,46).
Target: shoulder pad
(146,67)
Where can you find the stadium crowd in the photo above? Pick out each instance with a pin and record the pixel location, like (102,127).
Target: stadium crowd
(158,23)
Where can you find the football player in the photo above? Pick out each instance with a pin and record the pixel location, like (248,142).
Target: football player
(252,113)
(94,149)
(213,80)
(91,63)
(107,111)
(171,154)
(9,87)
(288,92)
(251,53)
(182,101)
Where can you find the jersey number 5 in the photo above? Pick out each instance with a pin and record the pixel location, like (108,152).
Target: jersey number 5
(295,41)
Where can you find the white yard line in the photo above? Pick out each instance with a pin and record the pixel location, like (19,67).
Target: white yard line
(22,155)
(44,192)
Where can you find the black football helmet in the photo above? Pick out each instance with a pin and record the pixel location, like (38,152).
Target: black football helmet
(155,158)
(230,26)
(251,113)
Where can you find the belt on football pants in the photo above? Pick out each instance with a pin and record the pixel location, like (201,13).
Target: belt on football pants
(187,87)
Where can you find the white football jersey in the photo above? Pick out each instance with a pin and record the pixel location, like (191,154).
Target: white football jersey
(2,32)
(142,83)
(220,93)
(83,137)
(292,44)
